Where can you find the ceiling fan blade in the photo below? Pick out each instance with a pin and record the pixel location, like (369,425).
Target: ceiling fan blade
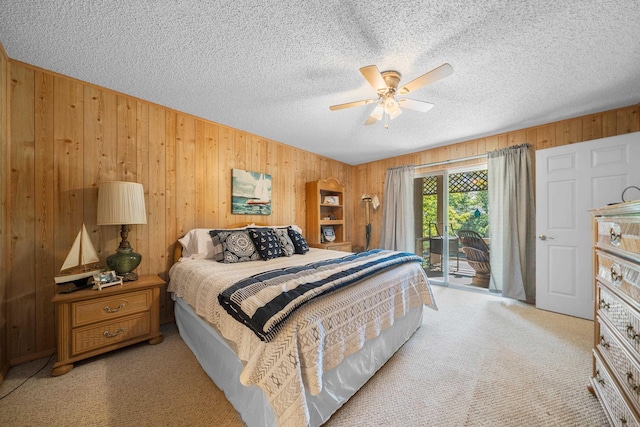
(373,76)
(376,114)
(370,121)
(414,104)
(434,75)
(351,104)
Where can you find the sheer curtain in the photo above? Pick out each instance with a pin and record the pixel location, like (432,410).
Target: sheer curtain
(397,211)
(512,223)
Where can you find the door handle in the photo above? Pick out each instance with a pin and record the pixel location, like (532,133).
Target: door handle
(543,237)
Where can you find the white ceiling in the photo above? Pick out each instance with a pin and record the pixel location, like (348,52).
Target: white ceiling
(273,68)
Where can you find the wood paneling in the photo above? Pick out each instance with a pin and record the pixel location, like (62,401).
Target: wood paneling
(21,293)
(186,198)
(68,136)
(44,227)
(68,157)
(4,206)
(154,182)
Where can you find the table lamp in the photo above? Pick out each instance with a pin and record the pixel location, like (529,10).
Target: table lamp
(122,203)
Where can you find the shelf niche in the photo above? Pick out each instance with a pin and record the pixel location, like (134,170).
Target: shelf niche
(325,207)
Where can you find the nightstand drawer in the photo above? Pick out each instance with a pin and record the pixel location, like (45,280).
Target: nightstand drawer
(111,307)
(109,333)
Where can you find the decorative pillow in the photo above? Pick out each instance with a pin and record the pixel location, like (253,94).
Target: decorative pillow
(285,241)
(294,226)
(237,245)
(218,252)
(197,244)
(266,242)
(299,243)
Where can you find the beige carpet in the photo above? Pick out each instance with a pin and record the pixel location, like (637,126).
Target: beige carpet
(480,360)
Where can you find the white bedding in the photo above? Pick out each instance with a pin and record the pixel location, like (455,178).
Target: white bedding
(315,339)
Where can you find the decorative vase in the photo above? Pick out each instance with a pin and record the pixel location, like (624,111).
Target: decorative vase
(123,262)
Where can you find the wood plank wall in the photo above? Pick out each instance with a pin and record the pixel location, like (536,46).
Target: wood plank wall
(4,223)
(369,177)
(67,136)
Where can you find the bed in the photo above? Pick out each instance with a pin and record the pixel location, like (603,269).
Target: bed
(320,354)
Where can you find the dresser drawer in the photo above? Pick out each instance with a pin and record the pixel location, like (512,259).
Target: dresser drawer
(622,363)
(108,333)
(619,314)
(612,401)
(619,273)
(110,307)
(620,234)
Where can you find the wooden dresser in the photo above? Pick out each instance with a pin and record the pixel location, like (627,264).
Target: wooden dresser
(616,353)
(91,322)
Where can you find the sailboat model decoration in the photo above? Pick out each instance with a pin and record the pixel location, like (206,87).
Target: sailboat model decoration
(82,260)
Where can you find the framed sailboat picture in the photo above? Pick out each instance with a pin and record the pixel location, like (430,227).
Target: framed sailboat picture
(250,192)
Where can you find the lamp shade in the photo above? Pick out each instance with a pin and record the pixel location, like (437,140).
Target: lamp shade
(121,203)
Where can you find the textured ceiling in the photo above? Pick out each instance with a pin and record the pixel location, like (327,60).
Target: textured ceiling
(274,68)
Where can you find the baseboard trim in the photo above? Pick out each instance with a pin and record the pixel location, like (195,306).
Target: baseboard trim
(31,357)
(3,371)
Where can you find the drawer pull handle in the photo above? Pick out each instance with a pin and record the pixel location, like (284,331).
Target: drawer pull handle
(631,383)
(599,378)
(114,310)
(616,274)
(615,235)
(604,305)
(603,342)
(631,333)
(110,335)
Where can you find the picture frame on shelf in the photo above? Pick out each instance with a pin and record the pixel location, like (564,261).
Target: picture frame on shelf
(105,279)
(328,233)
(331,200)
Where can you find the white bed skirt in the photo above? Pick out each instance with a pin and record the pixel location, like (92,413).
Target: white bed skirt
(223,366)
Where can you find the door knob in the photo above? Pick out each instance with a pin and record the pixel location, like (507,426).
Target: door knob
(543,237)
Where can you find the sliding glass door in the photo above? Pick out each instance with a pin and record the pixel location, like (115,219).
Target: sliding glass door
(432,233)
(450,204)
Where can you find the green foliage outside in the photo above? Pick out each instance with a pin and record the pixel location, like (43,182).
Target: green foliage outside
(462,207)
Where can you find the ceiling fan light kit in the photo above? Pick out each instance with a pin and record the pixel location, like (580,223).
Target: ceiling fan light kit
(386,85)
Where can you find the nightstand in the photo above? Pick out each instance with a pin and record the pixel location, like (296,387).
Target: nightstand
(91,322)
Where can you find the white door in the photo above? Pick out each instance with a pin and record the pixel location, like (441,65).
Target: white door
(570,180)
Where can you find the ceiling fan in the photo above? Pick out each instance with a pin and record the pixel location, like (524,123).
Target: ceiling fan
(386,84)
